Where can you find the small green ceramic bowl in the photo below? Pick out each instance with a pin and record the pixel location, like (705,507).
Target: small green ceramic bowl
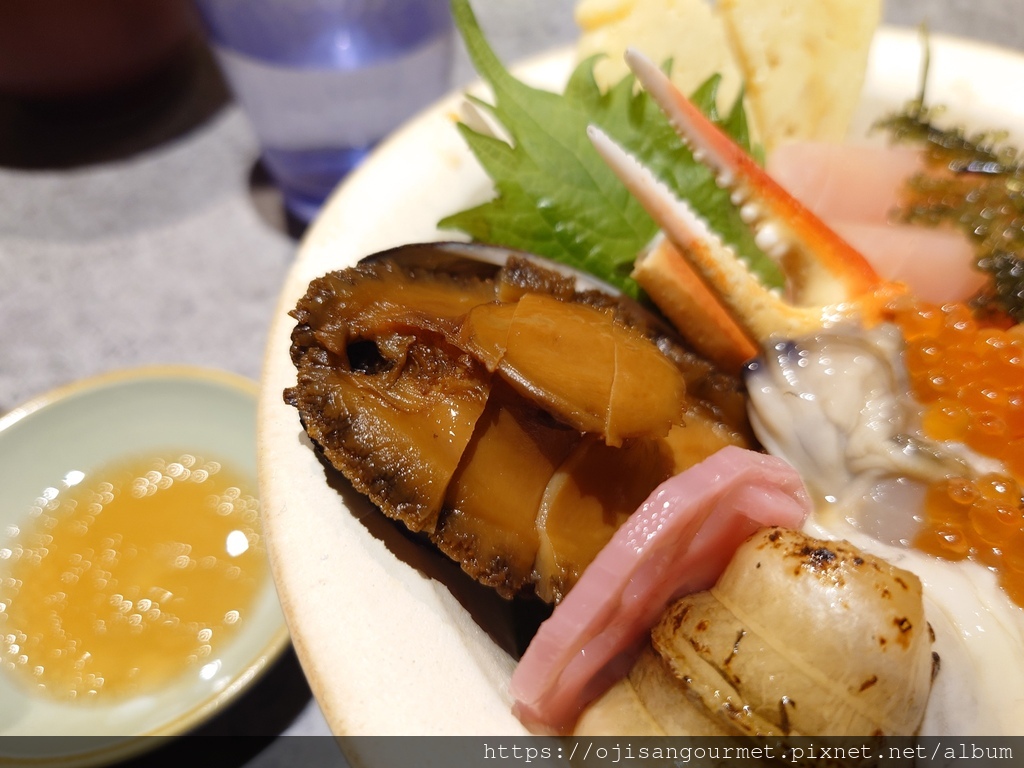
(88,425)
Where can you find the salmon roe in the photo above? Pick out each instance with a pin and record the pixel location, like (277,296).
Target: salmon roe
(970,378)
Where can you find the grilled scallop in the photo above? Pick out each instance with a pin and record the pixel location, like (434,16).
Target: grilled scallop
(799,637)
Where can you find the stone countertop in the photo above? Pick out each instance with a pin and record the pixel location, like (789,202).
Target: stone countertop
(153,236)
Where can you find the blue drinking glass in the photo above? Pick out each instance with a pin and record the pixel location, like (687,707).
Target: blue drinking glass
(322,81)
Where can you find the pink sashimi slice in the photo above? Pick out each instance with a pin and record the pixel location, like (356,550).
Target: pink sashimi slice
(678,541)
(853,182)
(937,265)
(855,189)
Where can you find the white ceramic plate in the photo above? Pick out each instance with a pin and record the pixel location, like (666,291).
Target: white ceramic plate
(89,425)
(392,639)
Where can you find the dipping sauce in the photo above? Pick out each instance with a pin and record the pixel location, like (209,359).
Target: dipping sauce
(126,578)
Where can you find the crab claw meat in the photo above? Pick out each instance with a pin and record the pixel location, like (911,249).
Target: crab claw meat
(781,221)
(828,280)
(762,313)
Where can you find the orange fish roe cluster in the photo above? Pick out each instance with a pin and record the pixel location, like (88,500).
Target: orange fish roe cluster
(981,520)
(970,377)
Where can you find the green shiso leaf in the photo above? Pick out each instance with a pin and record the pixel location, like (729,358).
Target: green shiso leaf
(555,197)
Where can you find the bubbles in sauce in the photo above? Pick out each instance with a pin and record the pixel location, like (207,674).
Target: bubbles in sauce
(123,579)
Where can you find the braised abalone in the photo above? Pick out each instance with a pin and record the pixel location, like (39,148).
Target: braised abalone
(514,417)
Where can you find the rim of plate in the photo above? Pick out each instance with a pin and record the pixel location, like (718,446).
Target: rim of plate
(229,379)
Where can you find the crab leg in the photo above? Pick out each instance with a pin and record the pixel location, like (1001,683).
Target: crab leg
(828,279)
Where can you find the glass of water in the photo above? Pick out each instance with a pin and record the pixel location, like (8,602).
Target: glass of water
(322,81)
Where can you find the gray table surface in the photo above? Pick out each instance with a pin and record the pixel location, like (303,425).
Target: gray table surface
(156,239)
